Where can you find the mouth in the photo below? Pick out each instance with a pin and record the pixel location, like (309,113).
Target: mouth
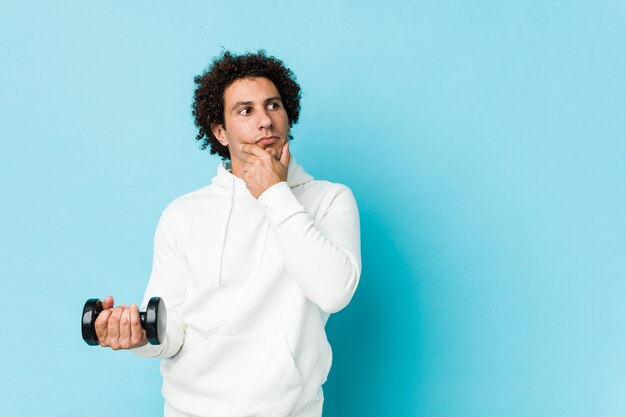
(267,140)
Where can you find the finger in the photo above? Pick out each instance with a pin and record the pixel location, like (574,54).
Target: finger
(113,328)
(255,150)
(136,330)
(249,164)
(108,303)
(252,169)
(124,340)
(101,327)
(285,157)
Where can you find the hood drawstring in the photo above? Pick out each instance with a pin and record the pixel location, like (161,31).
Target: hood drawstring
(225,233)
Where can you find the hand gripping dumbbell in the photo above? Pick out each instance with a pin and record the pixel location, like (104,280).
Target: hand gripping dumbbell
(153,320)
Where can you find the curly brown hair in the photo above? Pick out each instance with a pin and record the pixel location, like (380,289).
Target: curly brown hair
(208,102)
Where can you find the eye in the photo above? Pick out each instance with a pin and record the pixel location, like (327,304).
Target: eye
(273,105)
(244,111)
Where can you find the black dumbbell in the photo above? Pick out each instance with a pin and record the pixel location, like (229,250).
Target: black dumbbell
(153,320)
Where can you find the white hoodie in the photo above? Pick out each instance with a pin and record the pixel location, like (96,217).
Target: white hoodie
(249,285)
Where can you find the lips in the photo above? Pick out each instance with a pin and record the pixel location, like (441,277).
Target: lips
(267,140)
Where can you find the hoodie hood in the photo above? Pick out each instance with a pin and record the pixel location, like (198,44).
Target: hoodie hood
(225,179)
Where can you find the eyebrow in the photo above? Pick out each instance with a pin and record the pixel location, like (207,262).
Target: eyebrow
(247,103)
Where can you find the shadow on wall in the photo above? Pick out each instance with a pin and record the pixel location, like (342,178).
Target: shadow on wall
(375,339)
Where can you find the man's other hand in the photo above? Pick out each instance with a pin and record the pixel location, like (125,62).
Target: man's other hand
(261,170)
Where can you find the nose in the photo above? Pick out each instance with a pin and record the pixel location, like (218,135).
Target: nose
(264,121)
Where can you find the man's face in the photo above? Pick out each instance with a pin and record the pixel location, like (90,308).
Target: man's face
(253,113)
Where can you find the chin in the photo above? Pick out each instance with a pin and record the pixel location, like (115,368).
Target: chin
(275,154)
(275,149)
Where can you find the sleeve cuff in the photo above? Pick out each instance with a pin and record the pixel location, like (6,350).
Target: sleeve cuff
(280,203)
(147,350)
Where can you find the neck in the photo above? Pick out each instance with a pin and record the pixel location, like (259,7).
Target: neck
(236,167)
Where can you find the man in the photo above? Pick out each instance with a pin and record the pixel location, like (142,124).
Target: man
(250,266)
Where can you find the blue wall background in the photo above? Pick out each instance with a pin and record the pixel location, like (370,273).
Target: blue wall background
(484,142)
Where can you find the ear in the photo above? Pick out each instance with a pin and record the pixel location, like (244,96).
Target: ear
(220,133)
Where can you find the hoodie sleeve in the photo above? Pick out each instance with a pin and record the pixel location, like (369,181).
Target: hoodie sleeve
(168,280)
(324,257)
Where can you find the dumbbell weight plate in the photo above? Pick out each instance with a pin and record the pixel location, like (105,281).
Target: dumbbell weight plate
(155,321)
(92,308)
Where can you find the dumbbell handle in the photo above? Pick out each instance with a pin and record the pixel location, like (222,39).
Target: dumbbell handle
(142,315)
